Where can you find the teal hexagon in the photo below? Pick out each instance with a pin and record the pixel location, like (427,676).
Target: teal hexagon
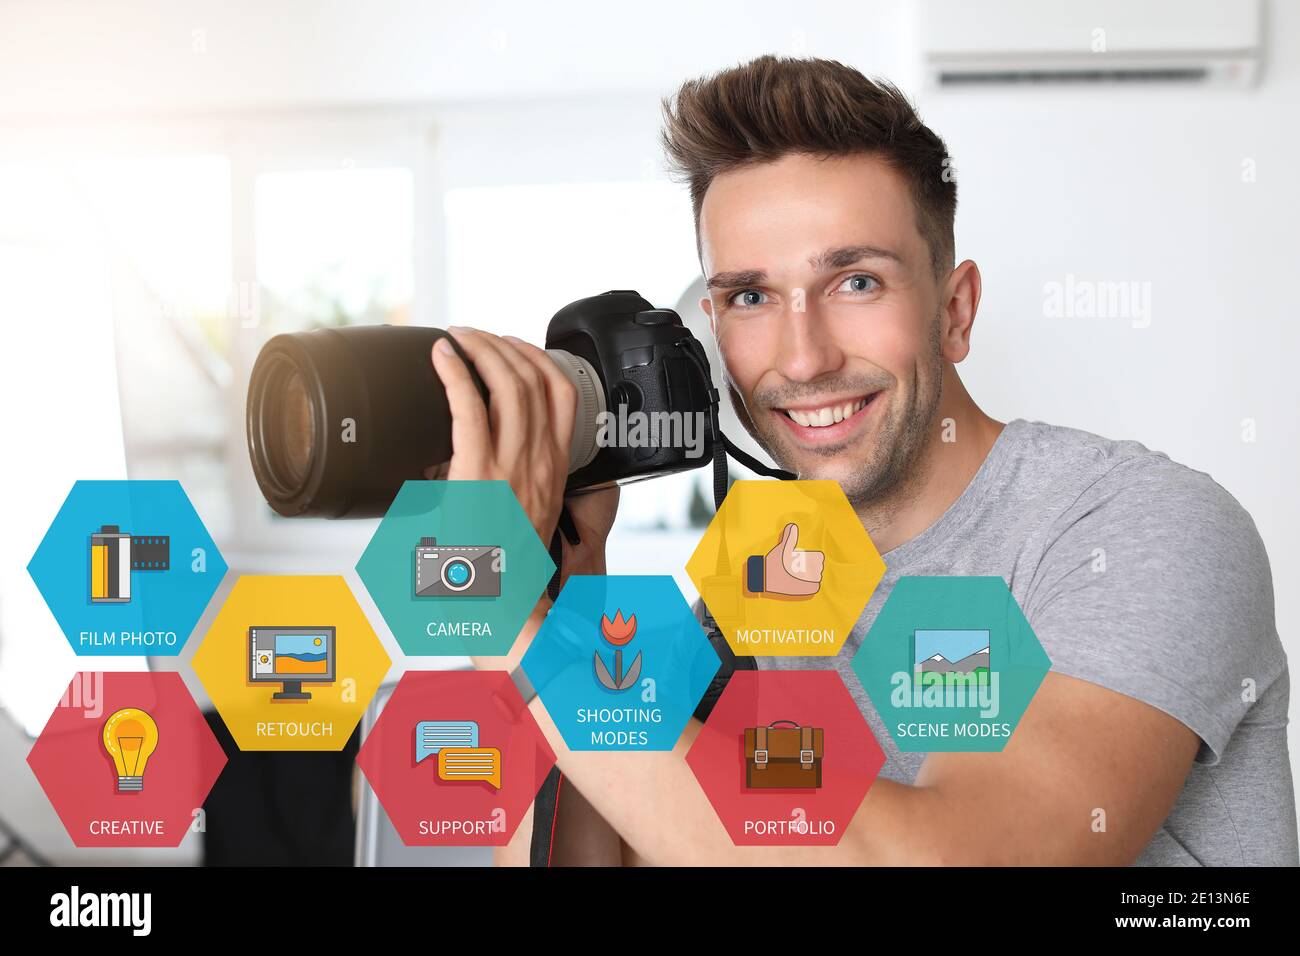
(455,567)
(951,664)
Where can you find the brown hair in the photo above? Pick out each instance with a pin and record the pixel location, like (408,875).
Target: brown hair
(767,108)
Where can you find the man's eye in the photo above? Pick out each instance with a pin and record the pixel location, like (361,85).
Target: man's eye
(749,297)
(859,283)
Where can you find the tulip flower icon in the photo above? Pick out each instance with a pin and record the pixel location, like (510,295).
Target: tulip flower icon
(618,632)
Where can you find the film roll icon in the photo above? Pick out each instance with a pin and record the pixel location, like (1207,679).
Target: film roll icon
(114,555)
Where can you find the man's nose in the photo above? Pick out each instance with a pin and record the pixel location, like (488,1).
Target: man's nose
(807,348)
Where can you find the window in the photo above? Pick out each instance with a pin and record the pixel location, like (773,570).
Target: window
(164,222)
(127,258)
(133,257)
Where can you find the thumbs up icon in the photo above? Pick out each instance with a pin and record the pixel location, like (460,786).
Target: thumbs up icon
(785,571)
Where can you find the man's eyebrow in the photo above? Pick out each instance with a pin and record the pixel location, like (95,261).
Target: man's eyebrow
(840,258)
(735,280)
(845,256)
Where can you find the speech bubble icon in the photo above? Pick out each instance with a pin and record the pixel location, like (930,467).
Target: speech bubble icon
(470,763)
(431,736)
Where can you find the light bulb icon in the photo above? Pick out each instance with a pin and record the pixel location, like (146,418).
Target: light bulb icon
(130,738)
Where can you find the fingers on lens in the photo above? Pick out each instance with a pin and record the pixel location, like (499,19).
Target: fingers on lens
(469,419)
(508,408)
(561,393)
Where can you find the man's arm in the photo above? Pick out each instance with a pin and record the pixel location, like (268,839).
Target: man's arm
(1078,749)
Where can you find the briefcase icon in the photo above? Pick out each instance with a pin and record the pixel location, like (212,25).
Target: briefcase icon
(783,755)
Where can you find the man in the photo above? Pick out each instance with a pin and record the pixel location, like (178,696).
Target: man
(825,230)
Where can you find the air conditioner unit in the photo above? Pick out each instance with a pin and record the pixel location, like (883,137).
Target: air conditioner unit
(1009,42)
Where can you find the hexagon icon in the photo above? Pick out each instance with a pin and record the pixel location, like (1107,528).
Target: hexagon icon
(127,567)
(950,664)
(620,663)
(126,759)
(291,662)
(455,758)
(785,758)
(785,568)
(455,568)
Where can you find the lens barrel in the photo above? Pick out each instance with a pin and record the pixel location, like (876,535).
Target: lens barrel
(337,419)
(591,404)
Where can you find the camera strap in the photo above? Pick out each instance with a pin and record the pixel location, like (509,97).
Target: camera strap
(725,447)
(566,527)
(722,445)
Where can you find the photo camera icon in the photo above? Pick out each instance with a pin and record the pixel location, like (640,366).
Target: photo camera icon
(458,570)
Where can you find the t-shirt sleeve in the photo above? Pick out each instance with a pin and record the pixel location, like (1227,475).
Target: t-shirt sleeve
(1156,585)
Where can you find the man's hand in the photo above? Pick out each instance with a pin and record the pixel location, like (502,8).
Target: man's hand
(593,515)
(522,434)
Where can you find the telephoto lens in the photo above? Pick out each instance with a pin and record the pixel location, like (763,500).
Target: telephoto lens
(338,418)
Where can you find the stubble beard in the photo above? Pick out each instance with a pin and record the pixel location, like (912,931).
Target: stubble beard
(893,460)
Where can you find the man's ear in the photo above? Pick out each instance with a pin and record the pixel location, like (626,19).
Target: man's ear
(961,299)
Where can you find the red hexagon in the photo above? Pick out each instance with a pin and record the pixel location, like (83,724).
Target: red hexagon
(455,758)
(817,797)
(126,759)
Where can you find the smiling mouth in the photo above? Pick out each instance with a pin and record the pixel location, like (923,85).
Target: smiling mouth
(825,416)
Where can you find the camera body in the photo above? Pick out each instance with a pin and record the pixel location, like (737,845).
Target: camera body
(657,412)
(339,418)
(457,570)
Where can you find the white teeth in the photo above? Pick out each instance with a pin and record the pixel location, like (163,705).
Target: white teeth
(829,415)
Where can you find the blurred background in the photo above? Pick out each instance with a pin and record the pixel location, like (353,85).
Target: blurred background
(182,179)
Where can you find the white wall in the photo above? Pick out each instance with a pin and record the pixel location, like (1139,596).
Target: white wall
(1148,186)
(1105,184)
(109,57)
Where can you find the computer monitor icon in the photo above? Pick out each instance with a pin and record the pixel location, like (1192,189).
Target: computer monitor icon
(291,656)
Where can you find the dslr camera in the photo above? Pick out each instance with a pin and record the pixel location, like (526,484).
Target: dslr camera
(339,418)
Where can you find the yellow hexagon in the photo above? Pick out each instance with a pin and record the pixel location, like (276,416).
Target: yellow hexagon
(786,568)
(291,662)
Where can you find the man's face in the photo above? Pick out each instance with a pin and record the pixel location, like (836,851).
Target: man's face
(826,311)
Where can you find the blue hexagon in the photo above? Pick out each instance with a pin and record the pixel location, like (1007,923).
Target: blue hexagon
(620,662)
(951,664)
(455,568)
(127,567)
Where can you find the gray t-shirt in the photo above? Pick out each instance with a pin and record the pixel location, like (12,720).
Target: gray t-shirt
(1181,618)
